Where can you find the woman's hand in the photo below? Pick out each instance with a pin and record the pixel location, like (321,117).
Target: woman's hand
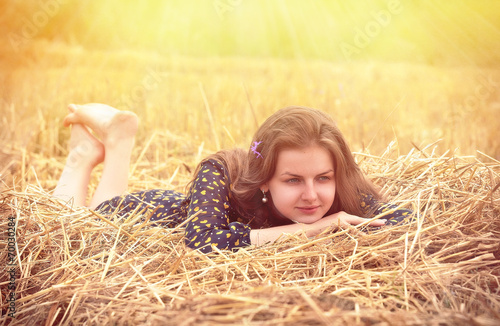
(261,236)
(340,219)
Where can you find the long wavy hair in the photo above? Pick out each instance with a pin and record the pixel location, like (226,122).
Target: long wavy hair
(292,127)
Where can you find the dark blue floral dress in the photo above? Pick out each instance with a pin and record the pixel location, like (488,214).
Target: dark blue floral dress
(215,222)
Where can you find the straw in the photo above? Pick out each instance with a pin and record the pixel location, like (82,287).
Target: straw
(79,267)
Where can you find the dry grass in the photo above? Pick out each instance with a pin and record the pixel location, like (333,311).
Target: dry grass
(373,103)
(76,266)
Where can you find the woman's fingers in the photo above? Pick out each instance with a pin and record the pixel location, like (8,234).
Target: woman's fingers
(345,220)
(356,220)
(378,222)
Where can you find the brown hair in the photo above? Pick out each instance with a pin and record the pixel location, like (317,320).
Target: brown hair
(293,127)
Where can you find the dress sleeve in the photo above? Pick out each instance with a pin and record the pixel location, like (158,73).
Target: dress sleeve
(211,226)
(395,214)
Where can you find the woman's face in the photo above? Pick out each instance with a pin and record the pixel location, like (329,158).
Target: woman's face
(303,185)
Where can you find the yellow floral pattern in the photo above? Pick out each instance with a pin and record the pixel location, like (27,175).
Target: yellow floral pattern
(215,222)
(394,214)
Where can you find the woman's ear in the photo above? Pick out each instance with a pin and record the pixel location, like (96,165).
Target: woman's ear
(264,188)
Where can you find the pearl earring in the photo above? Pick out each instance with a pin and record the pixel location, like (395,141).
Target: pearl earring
(264,199)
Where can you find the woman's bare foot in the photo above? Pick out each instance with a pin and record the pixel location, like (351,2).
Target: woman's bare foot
(109,124)
(116,129)
(84,148)
(85,152)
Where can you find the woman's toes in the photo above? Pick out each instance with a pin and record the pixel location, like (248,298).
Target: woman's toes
(72,108)
(69,119)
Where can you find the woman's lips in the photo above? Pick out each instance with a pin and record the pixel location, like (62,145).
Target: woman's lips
(308,209)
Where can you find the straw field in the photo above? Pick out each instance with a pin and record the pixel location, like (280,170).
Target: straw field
(427,136)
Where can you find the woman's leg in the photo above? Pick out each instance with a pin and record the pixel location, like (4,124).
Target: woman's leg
(84,154)
(117,131)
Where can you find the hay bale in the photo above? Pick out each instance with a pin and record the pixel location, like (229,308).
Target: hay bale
(75,266)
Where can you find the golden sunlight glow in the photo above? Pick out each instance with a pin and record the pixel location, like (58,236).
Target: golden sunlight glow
(422,31)
(416,71)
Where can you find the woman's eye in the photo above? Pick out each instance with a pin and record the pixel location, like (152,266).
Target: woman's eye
(324,178)
(293,180)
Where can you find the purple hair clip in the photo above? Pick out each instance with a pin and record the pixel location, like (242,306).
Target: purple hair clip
(254,148)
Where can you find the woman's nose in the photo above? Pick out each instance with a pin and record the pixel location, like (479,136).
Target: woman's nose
(309,193)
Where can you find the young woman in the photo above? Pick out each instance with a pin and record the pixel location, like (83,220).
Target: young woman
(298,176)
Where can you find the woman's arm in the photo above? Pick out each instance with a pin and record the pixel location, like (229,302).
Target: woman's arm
(393,214)
(209,201)
(261,236)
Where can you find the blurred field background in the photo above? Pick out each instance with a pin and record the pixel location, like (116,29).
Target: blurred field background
(397,76)
(416,72)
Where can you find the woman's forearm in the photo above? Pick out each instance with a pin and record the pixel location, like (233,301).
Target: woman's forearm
(341,219)
(262,236)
